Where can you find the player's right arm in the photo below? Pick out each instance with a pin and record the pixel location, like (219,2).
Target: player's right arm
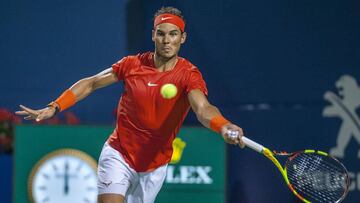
(86,86)
(75,93)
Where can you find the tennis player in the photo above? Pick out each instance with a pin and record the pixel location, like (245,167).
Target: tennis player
(133,161)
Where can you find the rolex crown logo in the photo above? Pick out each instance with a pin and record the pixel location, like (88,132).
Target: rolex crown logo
(178,148)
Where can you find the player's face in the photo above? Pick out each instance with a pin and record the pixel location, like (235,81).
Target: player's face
(168,39)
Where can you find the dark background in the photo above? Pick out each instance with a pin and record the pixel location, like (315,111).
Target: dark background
(267,65)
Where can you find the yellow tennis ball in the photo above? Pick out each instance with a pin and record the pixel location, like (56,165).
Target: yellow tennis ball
(168,91)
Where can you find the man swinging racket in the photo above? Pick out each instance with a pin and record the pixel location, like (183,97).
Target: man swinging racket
(160,87)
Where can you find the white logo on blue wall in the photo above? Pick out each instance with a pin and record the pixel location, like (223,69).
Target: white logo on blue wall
(343,105)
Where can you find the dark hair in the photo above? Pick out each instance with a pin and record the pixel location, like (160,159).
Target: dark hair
(169,9)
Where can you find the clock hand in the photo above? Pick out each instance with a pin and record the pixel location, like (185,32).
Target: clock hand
(66,178)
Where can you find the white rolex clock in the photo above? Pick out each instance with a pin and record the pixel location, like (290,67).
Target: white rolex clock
(65,175)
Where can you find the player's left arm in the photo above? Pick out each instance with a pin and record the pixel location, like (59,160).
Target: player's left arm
(208,115)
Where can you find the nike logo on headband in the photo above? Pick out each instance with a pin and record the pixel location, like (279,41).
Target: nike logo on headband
(165,18)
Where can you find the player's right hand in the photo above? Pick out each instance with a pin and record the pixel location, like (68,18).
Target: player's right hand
(38,115)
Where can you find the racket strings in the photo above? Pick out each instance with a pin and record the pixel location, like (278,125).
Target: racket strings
(313,175)
(305,186)
(317,178)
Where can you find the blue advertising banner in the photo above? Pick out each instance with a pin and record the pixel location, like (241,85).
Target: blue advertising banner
(331,125)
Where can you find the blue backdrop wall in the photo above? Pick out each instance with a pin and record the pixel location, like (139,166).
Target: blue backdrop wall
(48,46)
(268,66)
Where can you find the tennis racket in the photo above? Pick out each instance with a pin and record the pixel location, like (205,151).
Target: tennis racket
(313,176)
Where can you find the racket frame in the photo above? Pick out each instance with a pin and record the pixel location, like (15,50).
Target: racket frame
(271,155)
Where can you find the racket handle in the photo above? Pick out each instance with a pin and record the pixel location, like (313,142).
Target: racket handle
(253,145)
(249,143)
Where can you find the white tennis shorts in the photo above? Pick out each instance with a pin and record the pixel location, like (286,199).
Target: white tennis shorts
(115,176)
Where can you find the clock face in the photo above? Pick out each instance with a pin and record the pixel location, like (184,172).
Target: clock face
(64,176)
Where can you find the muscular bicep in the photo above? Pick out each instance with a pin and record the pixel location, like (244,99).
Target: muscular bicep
(86,86)
(104,78)
(200,105)
(197,100)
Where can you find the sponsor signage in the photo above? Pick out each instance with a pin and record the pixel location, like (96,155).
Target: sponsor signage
(196,172)
(343,104)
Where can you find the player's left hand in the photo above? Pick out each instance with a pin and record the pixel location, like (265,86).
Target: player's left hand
(232,134)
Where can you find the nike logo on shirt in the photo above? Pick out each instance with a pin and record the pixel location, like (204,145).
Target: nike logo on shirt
(151,84)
